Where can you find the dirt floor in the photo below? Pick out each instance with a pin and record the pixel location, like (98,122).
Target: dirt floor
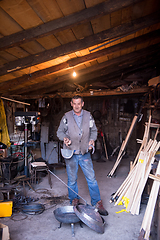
(44,226)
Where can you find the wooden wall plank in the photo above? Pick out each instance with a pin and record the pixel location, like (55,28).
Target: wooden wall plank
(46,10)
(17,52)
(70,6)
(123,52)
(84,52)
(65,36)
(90,3)
(43,65)
(155,41)
(101,23)
(32,47)
(102,59)
(142,45)
(7,56)
(83,30)
(27,70)
(6,77)
(88,64)
(63,58)
(9,26)
(131,49)
(94,62)
(137,10)
(78,54)
(21,12)
(63,23)
(126,14)
(2,61)
(72,55)
(56,61)
(80,67)
(116,18)
(49,42)
(151,6)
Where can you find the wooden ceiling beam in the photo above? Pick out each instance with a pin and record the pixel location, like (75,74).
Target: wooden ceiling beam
(88,75)
(95,93)
(104,93)
(121,64)
(78,45)
(109,77)
(102,69)
(48,91)
(61,24)
(76,61)
(112,76)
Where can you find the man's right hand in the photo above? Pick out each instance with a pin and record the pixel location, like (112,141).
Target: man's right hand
(67,142)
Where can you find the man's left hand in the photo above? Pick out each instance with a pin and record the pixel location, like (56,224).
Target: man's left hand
(91,142)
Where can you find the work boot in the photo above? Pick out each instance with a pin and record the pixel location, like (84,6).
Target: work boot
(75,202)
(101,209)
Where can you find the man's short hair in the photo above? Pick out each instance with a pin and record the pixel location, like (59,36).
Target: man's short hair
(77,97)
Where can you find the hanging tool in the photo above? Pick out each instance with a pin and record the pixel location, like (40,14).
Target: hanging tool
(105,148)
(97,116)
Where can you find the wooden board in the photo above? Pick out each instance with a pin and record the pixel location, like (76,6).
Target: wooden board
(9,26)
(47,10)
(101,23)
(70,6)
(21,12)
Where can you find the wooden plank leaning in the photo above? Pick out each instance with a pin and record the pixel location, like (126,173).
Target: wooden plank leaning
(125,142)
(146,223)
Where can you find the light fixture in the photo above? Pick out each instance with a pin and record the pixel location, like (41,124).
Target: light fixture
(74,74)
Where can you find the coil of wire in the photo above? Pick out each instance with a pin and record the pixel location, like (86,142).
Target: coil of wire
(33,208)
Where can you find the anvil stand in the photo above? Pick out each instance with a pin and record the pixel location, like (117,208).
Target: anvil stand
(72,227)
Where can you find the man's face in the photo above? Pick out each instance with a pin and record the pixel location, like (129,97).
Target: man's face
(77,105)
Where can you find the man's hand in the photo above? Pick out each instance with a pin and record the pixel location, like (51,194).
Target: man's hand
(91,142)
(67,142)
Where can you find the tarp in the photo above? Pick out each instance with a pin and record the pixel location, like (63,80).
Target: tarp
(4,135)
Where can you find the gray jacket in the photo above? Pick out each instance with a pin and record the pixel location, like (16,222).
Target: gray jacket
(79,137)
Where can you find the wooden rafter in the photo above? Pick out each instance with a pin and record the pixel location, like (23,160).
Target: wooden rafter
(76,61)
(77,45)
(92,74)
(61,24)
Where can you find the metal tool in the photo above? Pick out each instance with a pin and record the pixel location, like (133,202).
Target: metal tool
(66,214)
(90,216)
(68,153)
(68,186)
(86,213)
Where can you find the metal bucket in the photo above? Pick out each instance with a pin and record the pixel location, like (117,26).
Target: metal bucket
(66,215)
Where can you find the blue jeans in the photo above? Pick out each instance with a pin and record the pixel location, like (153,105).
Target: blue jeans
(86,165)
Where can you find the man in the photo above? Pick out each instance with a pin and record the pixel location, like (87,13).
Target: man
(78,132)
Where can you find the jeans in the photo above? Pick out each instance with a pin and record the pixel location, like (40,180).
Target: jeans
(86,165)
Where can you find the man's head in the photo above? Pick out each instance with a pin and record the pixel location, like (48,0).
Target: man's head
(77,103)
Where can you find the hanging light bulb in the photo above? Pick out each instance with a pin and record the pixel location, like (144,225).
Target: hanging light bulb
(74,74)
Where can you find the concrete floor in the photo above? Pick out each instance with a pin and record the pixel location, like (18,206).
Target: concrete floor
(44,226)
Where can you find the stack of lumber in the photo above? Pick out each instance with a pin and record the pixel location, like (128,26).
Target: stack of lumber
(123,146)
(147,220)
(130,192)
(125,142)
